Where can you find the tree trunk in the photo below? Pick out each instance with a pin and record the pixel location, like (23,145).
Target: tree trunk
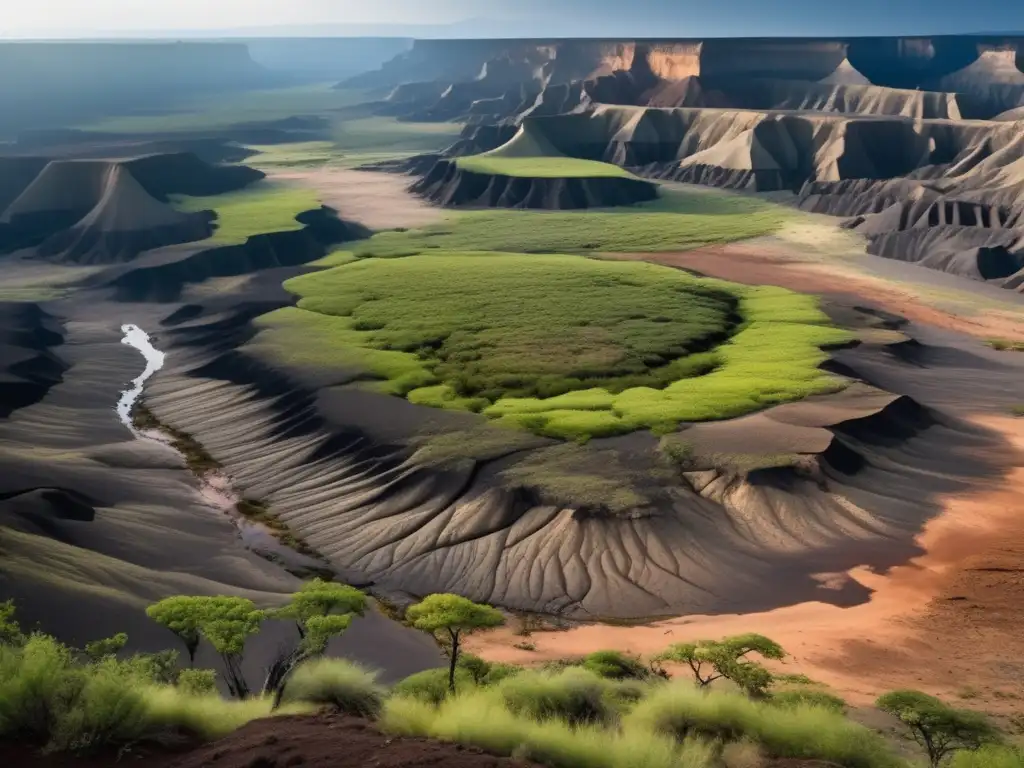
(454,659)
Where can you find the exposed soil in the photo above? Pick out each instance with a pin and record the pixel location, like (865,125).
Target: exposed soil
(331,741)
(319,741)
(740,263)
(375,200)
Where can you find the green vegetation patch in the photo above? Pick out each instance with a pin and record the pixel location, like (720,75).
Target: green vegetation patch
(223,110)
(677,221)
(558,345)
(541,167)
(259,209)
(517,325)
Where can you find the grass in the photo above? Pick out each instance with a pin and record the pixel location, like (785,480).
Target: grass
(681,454)
(1017,410)
(800,731)
(302,154)
(541,167)
(561,346)
(575,719)
(677,221)
(481,719)
(258,209)
(341,685)
(389,137)
(211,112)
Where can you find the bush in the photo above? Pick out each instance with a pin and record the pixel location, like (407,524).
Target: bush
(51,698)
(576,696)
(197,682)
(805,732)
(485,672)
(431,685)
(989,756)
(108,710)
(615,665)
(38,684)
(808,697)
(336,683)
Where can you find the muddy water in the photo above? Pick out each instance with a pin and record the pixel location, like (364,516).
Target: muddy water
(214,486)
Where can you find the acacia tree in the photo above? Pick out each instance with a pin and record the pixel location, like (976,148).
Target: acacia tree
(937,727)
(454,616)
(321,610)
(183,616)
(711,660)
(227,623)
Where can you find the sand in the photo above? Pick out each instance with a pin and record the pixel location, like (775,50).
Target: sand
(792,265)
(945,621)
(375,200)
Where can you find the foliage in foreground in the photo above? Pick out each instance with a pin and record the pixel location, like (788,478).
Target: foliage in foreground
(571,721)
(338,684)
(61,700)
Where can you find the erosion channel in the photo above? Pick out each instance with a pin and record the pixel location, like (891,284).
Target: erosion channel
(215,487)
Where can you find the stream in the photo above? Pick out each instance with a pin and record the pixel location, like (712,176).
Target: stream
(214,486)
(139,339)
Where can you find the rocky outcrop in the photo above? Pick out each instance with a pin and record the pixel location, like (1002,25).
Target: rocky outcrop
(101,212)
(449,185)
(917,77)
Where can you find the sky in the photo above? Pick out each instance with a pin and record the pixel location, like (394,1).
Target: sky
(512,18)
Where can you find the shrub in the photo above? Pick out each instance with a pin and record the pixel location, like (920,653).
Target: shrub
(804,732)
(808,697)
(38,683)
(615,665)
(338,684)
(197,682)
(431,685)
(485,672)
(108,710)
(575,695)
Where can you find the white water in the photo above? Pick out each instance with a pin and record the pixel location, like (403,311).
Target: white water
(138,338)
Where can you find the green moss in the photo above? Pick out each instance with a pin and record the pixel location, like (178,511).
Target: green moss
(541,167)
(258,209)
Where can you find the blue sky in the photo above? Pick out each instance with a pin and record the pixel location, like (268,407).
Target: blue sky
(618,18)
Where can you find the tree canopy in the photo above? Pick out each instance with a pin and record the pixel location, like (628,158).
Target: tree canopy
(711,660)
(455,615)
(939,728)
